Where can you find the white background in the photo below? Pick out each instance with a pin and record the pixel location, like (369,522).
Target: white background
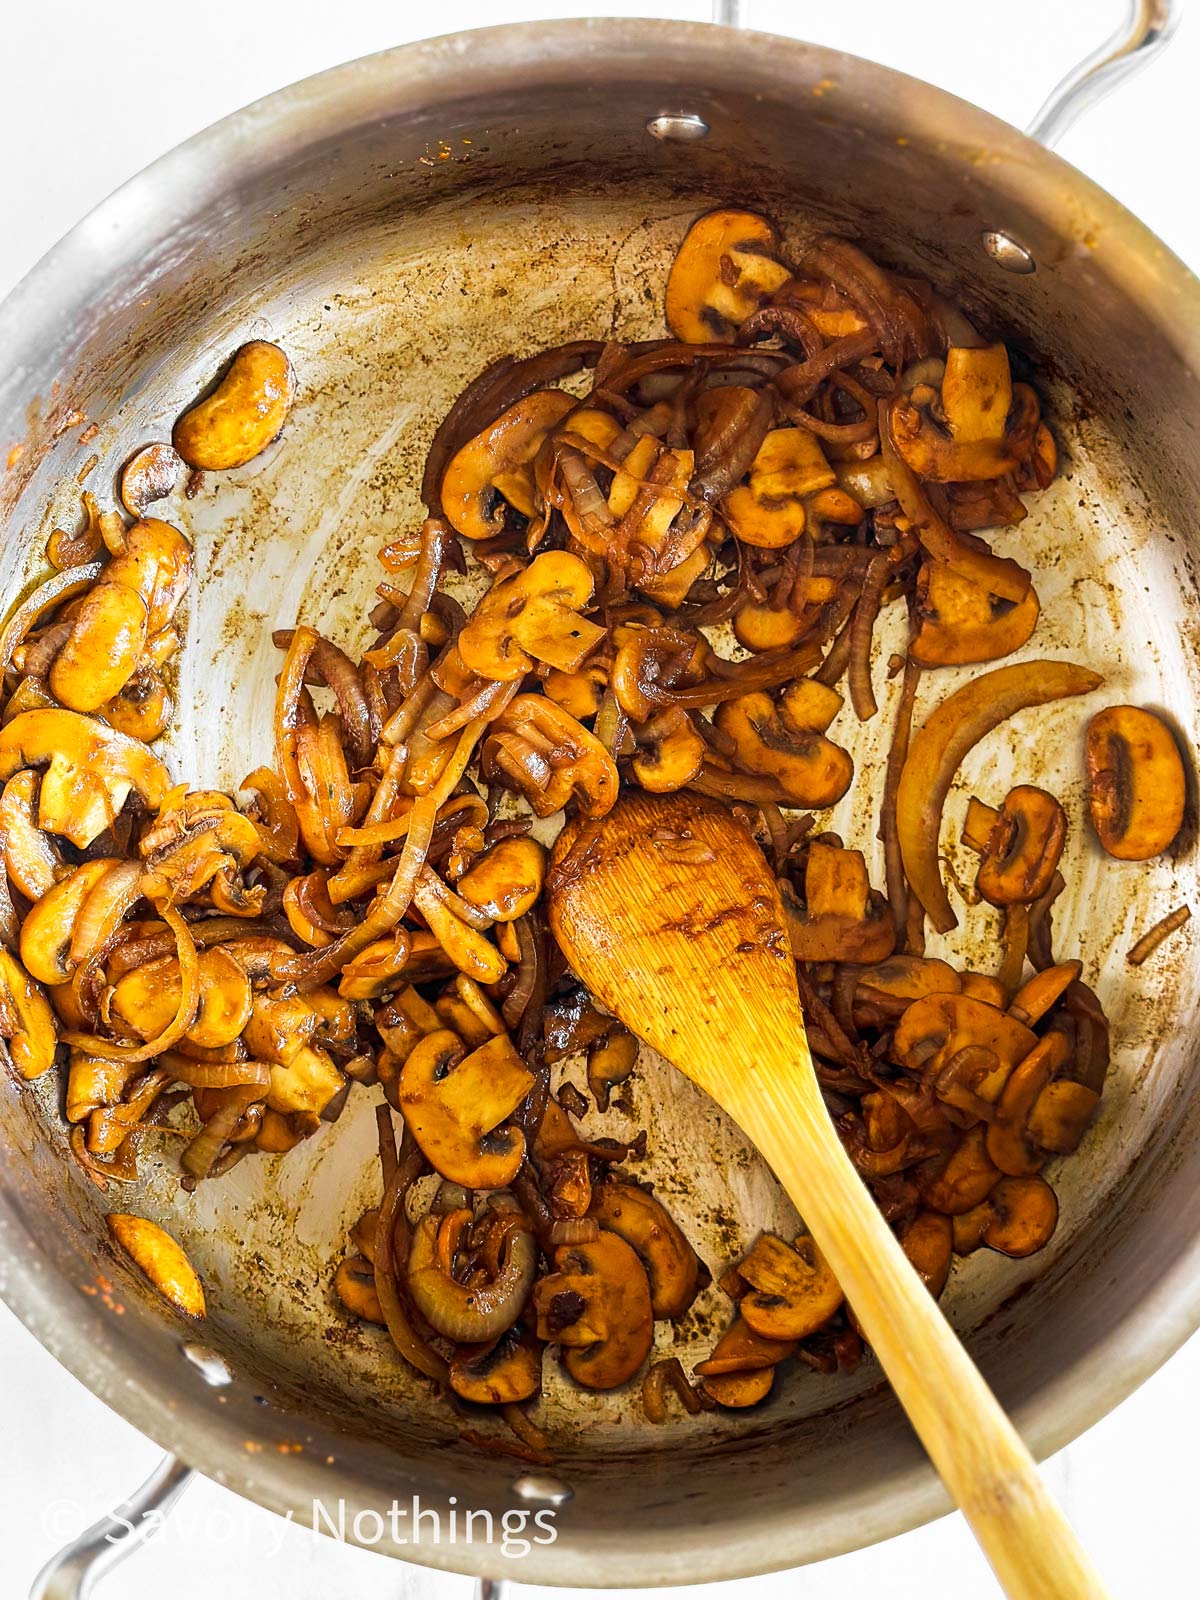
(89,93)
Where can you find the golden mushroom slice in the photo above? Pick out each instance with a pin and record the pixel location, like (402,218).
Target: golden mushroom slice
(162,1259)
(155,561)
(989,427)
(1023,847)
(26,1020)
(465,944)
(596,1304)
(282,1030)
(960,622)
(767,627)
(1018,1218)
(48,931)
(670,752)
(105,644)
(788,477)
(956,1182)
(1059,1117)
(502,1373)
(1136,788)
(1043,991)
(928,1242)
(741,1370)
(89,770)
(497,465)
(148,998)
(243,414)
(354,1285)
(792,1291)
(843,918)
(1008,1140)
(30,855)
(904,978)
(726,267)
(671,1264)
(470,1278)
(506,880)
(787,742)
(534,614)
(938,1028)
(457,1106)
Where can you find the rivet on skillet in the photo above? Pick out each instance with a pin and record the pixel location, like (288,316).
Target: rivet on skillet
(538,1486)
(214,1369)
(1006,252)
(678,127)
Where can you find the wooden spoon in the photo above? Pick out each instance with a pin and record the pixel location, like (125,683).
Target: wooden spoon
(670,915)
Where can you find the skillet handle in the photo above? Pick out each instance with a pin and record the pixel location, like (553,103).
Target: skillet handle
(1148,27)
(72,1573)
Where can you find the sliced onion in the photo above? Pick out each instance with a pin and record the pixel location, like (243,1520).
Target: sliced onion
(189,1000)
(43,599)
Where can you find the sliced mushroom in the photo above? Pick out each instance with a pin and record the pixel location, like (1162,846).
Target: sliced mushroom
(456,1106)
(788,742)
(26,1020)
(282,1030)
(1023,847)
(30,855)
(961,1179)
(578,693)
(1008,1140)
(960,622)
(533,615)
(470,1279)
(1136,787)
(1043,991)
(843,918)
(907,978)
(547,757)
(148,998)
(156,563)
(741,1370)
(90,770)
(928,1242)
(467,1011)
(767,627)
(354,1285)
(464,943)
(793,1291)
(242,415)
(105,644)
(506,880)
(671,1264)
(1059,1117)
(502,1373)
(161,1259)
(1017,1219)
(670,752)
(938,1027)
(610,1061)
(990,422)
(726,267)
(143,708)
(596,1304)
(646,499)
(789,477)
(497,465)
(49,928)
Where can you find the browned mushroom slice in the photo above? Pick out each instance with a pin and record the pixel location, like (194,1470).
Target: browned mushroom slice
(937,1027)
(506,880)
(90,770)
(843,918)
(961,1179)
(456,1106)
(903,977)
(726,267)
(464,943)
(646,499)
(990,422)
(354,1285)
(741,1370)
(502,1373)
(928,1242)
(470,1278)
(788,742)
(578,693)
(670,1262)
(48,931)
(282,1030)
(1017,1219)
(30,855)
(793,1291)
(1008,1141)
(532,615)
(466,1010)
(960,622)
(610,1061)
(1023,847)
(161,1259)
(596,1304)
(789,477)
(1059,1117)
(102,650)
(1136,787)
(767,627)
(670,751)
(26,1020)
(148,998)
(497,465)
(243,414)
(155,562)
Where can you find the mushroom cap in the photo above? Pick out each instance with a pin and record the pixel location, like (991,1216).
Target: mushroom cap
(1136,787)
(602,1292)
(724,269)
(455,1105)
(671,1264)
(242,415)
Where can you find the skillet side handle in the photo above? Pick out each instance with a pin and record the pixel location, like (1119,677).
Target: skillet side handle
(73,1572)
(1149,26)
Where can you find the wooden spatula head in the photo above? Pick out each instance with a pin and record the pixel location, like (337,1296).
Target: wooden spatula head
(668,912)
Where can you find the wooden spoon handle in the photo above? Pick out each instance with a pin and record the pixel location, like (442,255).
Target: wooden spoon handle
(970,1440)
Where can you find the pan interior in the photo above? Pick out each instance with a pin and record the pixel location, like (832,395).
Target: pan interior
(385,323)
